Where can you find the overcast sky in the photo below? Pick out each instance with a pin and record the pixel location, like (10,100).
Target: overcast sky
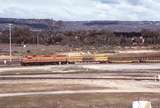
(82,9)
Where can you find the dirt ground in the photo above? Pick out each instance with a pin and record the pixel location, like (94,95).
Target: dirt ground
(32,49)
(116,100)
(50,49)
(42,86)
(79,93)
(48,73)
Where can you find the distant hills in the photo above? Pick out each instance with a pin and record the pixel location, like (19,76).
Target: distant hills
(116,26)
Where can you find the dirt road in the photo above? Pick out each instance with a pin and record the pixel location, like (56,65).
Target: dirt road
(72,92)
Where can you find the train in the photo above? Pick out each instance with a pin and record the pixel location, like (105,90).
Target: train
(101,58)
(57,59)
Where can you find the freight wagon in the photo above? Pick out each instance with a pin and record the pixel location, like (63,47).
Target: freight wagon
(134,58)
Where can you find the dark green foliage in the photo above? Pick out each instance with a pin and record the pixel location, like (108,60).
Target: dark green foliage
(97,38)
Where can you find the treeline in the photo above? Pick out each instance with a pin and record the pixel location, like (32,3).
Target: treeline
(97,38)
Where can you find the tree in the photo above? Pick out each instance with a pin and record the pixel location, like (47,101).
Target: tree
(21,35)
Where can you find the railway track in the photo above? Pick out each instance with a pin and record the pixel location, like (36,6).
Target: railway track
(114,62)
(60,77)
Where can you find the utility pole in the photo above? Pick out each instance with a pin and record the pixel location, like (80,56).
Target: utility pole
(10,42)
(37,40)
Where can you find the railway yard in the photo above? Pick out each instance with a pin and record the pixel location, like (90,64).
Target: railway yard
(80,80)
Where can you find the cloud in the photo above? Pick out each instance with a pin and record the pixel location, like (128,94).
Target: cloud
(135,2)
(82,9)
(130,10)
(110,1)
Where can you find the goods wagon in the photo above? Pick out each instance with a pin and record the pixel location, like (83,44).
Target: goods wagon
(88,58)
(74,59)
(101,58)
(135,58)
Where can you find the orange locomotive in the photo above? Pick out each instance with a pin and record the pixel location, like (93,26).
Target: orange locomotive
(44,59)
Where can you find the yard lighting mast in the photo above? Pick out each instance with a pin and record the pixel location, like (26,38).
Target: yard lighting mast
(10,42)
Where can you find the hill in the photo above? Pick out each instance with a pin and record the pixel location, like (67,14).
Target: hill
(115,26)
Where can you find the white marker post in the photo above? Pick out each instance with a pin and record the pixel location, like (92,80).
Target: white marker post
(159,77)
(141,104)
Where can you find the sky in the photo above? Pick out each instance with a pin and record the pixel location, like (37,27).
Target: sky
(82,10)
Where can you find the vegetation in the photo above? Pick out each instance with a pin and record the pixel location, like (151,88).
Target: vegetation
(55,35)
